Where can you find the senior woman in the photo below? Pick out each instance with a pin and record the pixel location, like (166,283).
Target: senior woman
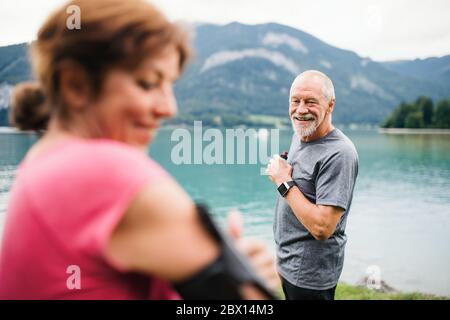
(86,194)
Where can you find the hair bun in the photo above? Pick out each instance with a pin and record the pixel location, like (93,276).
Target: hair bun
(29,110)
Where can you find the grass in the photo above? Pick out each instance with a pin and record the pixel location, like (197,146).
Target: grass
(351,292)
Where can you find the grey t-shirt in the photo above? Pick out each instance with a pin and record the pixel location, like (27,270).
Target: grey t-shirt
(325,171)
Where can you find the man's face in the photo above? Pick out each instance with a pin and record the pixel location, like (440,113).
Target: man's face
(307,106)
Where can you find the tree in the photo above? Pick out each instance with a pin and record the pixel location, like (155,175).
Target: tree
(414,120)
(442,115)
(400,114)
(426,106)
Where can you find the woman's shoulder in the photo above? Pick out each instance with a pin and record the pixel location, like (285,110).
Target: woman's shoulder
(93,162)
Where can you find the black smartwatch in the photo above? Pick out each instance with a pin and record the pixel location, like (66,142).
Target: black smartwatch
(283,189)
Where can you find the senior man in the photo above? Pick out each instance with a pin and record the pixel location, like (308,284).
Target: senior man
(316,185)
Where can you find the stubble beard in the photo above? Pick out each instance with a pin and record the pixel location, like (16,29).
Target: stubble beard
(303,131)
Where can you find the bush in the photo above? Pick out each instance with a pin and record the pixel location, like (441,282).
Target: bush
(420,114)
(442,115)
(414,120)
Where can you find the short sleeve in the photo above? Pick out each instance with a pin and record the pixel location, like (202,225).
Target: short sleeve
(117,184)
(336,179)
(83,192)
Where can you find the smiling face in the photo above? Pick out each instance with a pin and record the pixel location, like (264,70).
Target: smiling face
(131,105)
(309,109)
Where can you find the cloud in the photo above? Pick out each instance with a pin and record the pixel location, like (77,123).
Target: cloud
(276,39)
(5,95)
(326,64)
(277,58)
(360,82)
(381,30)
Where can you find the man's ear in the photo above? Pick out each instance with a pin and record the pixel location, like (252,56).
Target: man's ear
(331,105)
(75,86)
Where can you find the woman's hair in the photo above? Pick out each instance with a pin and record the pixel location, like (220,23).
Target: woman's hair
(113,33)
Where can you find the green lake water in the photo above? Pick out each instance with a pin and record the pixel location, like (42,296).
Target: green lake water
(399,220)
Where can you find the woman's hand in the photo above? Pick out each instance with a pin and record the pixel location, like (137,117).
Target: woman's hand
(260,257)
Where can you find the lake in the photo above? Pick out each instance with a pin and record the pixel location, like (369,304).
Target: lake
(399,220)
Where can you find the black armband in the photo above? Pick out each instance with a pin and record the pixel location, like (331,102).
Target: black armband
(222,278)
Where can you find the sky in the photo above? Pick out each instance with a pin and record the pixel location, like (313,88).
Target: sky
(381,30)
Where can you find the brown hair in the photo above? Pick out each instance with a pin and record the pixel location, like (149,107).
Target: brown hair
(113,33)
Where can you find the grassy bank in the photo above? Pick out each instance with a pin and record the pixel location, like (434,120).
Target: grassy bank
(350,292)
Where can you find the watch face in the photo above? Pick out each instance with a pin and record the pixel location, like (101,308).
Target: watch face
(282,189)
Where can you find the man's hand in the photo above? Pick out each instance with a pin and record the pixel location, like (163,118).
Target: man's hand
(279,170)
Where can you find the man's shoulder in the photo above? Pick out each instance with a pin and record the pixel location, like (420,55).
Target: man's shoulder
(339,146)
(344,143)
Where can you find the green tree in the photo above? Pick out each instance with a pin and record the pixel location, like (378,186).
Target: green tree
(388,123)
(425,105)
(400,114)
(393,120)
(414,120)
(442,115)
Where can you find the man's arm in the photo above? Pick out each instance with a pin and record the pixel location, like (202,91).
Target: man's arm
(319,220)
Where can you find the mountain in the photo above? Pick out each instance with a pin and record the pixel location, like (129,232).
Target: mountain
(242,70)
(14,64)
(14,68)
(435,70)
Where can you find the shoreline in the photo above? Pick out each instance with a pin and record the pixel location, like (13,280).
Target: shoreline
(412,131)
(359,291)
(346,291)
(12,130)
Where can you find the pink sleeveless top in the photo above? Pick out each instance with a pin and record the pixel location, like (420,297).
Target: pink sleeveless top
(62,210)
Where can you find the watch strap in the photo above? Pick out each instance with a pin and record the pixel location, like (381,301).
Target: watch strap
(285,187)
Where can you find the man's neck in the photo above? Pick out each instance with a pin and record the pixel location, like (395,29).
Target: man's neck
(321,131)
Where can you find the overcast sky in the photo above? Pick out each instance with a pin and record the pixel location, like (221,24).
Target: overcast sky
(381,30)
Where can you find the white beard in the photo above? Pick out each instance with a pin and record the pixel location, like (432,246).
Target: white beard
(304,132)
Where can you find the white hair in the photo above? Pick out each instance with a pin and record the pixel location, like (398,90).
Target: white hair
(327,84)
